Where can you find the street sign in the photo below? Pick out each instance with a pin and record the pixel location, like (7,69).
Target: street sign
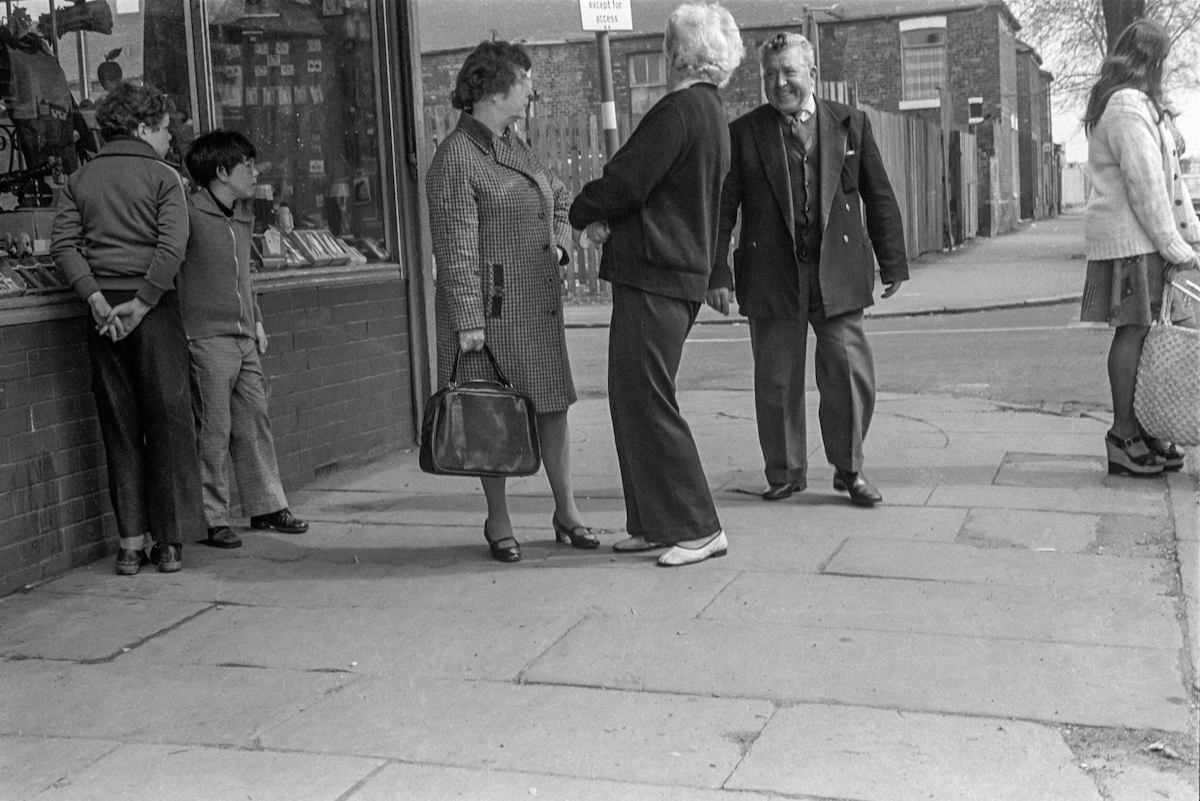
(606,15)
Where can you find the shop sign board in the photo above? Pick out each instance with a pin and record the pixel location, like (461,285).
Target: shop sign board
(606,15)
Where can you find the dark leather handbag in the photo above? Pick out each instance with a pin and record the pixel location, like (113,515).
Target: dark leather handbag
(479,428)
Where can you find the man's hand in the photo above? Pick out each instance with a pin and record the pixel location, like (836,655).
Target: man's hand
(470,340)
(260,337)
(107,323)
(719,299)
(129,315)
(891,289)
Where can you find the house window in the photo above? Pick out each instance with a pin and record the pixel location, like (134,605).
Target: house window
(923,60)
(647,83)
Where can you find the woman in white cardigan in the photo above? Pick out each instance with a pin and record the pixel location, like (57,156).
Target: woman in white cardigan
(1139,227)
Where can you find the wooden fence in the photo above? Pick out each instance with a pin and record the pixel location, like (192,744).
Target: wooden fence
(572,148)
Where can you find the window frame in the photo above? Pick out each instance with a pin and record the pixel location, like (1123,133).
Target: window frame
(634,115)
(907,88)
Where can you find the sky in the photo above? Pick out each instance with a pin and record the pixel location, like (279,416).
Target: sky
(1068,130)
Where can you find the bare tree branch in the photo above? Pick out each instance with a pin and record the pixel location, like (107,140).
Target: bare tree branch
(1070,37)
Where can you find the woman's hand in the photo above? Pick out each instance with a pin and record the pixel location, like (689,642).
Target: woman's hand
(470,340)
(598,231)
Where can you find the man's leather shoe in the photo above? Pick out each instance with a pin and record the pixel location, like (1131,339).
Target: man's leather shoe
(170,557)
(861,491)
(283,520)
(222,537)
(777,492)
(717,545)
(130,561)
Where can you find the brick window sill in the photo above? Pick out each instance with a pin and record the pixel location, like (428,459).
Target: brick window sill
(23,309)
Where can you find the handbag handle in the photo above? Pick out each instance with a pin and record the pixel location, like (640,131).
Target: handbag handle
(488,351)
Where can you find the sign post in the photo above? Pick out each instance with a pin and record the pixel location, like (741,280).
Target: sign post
(603,16)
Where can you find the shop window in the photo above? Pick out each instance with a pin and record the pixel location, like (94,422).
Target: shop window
(647,83)
(299,79)
(923,61)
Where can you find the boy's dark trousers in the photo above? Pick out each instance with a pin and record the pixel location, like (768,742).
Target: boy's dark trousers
(143,399)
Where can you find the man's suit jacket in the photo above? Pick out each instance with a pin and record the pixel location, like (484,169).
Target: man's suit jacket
(765,265)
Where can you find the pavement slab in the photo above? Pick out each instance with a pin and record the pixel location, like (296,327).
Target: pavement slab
(812,514)
(1144,498)
(1061,572)
(1138,783)
(882,755)
(80,628)
(182,773)
(189,704)
(29,765)
(492,643)
(1137,617)
(1185,506)
(1055,470)
(1031,530)
(666,739)
(403,782)
(1001,420)
(1051,682)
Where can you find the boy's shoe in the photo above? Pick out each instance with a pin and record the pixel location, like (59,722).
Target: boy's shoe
(283,520)
(130,561)
(222,537)
(170,558)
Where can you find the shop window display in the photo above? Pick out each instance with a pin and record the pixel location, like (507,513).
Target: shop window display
(297,77)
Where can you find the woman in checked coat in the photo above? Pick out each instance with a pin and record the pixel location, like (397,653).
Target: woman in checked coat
(500,236)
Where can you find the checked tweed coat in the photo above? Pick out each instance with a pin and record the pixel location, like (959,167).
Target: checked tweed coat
(495,216)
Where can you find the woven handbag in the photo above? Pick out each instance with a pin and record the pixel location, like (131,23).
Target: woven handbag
(1167,395)
(479,428)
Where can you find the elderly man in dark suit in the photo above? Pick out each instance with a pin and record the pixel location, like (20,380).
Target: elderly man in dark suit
(802,172)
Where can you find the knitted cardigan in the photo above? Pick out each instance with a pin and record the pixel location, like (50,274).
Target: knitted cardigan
(1138,202)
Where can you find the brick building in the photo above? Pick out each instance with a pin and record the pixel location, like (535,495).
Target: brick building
(1039,170)
(950,60)
(902,57)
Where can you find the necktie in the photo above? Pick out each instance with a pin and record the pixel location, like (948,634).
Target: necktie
(801,133)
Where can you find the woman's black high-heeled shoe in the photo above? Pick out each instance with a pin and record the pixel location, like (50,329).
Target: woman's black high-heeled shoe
(563,534)
(501,552)
(1171,456)
(1122,462)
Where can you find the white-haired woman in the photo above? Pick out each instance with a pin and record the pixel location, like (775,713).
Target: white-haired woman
(656,208)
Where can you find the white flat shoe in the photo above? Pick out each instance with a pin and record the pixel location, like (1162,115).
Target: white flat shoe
(717,545)
(634,544)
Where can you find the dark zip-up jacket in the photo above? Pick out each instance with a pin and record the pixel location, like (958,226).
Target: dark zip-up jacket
(215,289)
(122,223)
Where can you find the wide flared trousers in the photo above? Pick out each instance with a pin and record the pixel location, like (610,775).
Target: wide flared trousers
(666,493)
(229,395)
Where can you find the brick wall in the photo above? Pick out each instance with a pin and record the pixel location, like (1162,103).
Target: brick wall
(338,366)
(338,378)
(566,75)
(981,62)
(1029,134)
(54,511)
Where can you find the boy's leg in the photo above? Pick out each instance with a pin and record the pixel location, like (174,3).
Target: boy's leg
(215,362)
(251,442)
